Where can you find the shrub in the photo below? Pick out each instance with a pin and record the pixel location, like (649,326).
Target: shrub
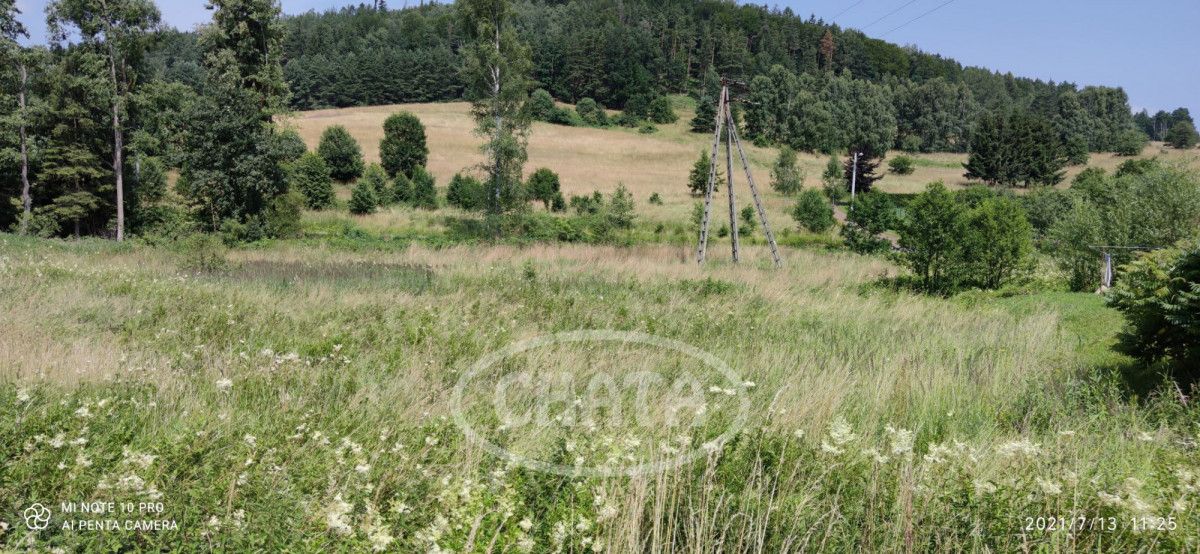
(638,106)
(621,209)
(902,165)
(1045,206)
(592,113)
(289,146)
(544,186)
(1183,136)
(424,190)
(1072,237)
(541,105)
(341,153)
(467,193)
(930,236)
(656,199)
(647,128)
(661,112)
(376,178)
(996,238)
(310,176)
(203,253)
(786,176)
(870,215)
(833,181)
(1130,143)
(584,205)
(363,199)
(749,222)
(698,178)
(283,215)
(563,116)
(1159,294)
(813,212)
(402,189)
(404,148)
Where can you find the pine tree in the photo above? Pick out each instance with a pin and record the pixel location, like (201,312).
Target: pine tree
(706,116)
(424,190)
(698,178)
(363,199)
(1183,136)
(11,51)
(310,176)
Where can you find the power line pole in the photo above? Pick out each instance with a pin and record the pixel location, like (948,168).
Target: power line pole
(725,117)
(854,180)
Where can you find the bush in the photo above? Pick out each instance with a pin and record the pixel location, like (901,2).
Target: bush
(647,128)
(1130,143)
(786,176)
(289,145)
(620,212)
(656,199)
(377,178)
(661,112)
(424,190)
(544,186)
(310,176)
(996,238)
(813,212)
(638,107)
(363,199)
(467,193)
(283,215)
(870,215)
(592,113)
(749,223)
(203,253)
(563,116)
(1159,294)
(1045,206)
(902,165)
(930,236)
(404,147)
(341,153)
(1072,238)
(698,178)
(585,205)
(541,105)
(833,180)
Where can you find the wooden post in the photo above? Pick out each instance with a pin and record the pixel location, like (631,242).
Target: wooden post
(762,212)
(733,223)
(712,178)
(853,180)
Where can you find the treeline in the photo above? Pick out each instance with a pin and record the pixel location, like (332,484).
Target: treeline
(614,51)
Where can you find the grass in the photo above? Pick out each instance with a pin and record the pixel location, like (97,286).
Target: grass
(301,400)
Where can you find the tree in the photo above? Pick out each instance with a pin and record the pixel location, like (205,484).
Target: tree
(10,51)
(864,176)
(497,76)
(377,178)
(1019,148)
(1183,136)
(786,176)
(620,212)
(402,188)
(424,190)
(592,113)
(544,186)
(1130,142)
(698,178)
(290,145)
(930,236)
(310,176)
(363,199)
(341,153)
(902,165)
(119,29)
(706,116)
(996,240)
(541,105)
(466,193)
(870,216)
(1159,293)
(404,147)
(813,212)
(661,112)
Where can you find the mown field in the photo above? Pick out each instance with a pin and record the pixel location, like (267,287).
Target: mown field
(299,398)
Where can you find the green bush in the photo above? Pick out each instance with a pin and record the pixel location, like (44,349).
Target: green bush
(289,145)
(404,147)
(1045,206)
(621,209)
(467,193)
(1159,293)
(902,165)
(363,199)
(424,190)
(869,216)
(541,105)
(833,180)
(544,186)
(377,178)
(787,177)
(1130,143)
(592,113)
(1183,136)
(638,106)
(402,189)
(647,128)
(283,215)
(661,112)
(813,212)
(996,240)
(310,176)
(203,253)
(656,199)
(341,153)
(698,178)
(930,236)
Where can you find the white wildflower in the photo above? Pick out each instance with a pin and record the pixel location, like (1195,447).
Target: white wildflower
(131,482)
(214,523)
(901,441)
(830,449)
(58,441)
(362,469)
(83,412)
(250,440)
(431,441)
(224,384)
(983,488)
(82,461)
(139,459)
(798,433)
(337,516)
(377,531)
(1018,449)
(80,441)
(1050,488)
(1145,437)
(841,432)
(525,544)
(937,454)
(876,455)
(525,525)
(22,396)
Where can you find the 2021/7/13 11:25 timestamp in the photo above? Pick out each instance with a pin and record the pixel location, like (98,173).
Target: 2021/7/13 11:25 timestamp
(1052,524)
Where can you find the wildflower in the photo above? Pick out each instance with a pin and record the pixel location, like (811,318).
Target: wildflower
(525,525)
(830,449)
(82,461)
(22,396)
(224,384)
(983,488)
(377,531)
(798,433)
(749,384)
(401,508)
(876,455)
(937,454)
(336,516)
(841,432)
(901,441)
(363,468)
(1145,437)
(250,440)
(141,460)
(131,482)
(83,412)
(431,441)
(525,544)
(1180,505)
(81,441)
(58,441)
(214,523)
(1050,488)
(1017,449)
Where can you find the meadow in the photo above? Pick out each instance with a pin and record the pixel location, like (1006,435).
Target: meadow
(298,397)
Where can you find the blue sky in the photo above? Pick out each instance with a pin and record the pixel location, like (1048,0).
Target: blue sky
(1149,47)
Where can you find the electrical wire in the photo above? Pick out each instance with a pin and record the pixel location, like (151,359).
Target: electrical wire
(915,19)
(889,14)
(843,12)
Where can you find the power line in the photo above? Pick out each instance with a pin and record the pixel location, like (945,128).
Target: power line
(843,12)
(914,20)
(889,14)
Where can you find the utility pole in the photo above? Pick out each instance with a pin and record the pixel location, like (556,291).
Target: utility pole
(726,125)
(854,180)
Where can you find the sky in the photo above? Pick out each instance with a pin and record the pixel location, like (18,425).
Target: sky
(1151,48)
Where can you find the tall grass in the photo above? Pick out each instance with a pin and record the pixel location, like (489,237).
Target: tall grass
(300,400)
